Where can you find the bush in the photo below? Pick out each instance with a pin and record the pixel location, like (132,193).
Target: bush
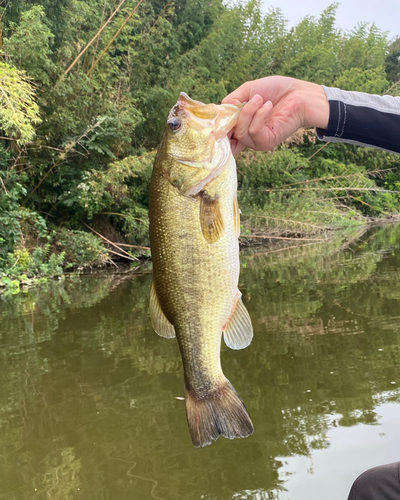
(81,249)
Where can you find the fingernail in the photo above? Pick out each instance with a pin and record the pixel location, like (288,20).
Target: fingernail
(256,99)
(268,106)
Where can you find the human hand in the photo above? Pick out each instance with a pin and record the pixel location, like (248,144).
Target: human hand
(276,107)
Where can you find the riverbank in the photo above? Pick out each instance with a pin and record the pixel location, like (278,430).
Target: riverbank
(108,257)
(300,193)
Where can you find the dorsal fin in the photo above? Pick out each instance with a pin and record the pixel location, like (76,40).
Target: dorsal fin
(159,322)
(238,332)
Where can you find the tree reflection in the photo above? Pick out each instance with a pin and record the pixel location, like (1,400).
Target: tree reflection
(88,406)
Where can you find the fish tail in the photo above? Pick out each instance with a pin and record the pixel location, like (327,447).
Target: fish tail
(220,412)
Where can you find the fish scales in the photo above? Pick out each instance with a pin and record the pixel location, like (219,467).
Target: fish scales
(195,252)
(198,272)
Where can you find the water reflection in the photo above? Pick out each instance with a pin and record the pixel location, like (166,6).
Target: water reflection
(87,393)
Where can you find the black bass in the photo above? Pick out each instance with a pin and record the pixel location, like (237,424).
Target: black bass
(194,230)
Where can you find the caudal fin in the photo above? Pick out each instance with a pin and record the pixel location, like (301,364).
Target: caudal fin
(219,413)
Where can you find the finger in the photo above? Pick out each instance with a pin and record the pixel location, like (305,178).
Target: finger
(234,146)
(257,125)
(232,100)
(238,148)
(238,96)
(246,116)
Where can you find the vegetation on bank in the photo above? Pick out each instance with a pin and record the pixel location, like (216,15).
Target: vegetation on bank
(85,87)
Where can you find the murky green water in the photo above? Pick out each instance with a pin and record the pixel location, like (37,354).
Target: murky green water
(87,389)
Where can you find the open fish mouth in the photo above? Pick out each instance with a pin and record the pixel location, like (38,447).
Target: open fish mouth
(220,118)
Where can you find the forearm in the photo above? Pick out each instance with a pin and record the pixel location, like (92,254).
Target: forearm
(362,119)
(277,106)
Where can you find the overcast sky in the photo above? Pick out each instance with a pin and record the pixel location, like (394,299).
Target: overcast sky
(384,13)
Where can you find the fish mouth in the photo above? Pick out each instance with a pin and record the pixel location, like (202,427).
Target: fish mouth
(220,118)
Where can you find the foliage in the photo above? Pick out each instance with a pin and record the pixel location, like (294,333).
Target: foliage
(84,146)
(24,268)
(372,81)
(365,47)
(18,109)
(81,249)
(121,192)
(392,62)
(29,45)
(319,192)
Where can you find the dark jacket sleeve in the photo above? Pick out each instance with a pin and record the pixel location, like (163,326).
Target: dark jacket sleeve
(363,119)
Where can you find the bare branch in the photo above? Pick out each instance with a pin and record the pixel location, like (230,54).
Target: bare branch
(94,38)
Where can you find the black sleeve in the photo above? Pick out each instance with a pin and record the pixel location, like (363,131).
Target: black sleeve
(379,483)
(363,119)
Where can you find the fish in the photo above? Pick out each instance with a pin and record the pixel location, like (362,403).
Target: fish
(194,230)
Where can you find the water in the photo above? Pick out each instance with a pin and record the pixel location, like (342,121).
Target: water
(87,389)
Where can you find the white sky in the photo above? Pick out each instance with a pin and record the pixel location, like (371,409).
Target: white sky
(384,13)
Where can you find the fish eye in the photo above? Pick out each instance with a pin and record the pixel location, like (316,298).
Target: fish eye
(174,124)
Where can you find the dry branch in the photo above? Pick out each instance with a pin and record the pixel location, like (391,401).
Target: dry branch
(375,190)
(126,254)
(259,254)
(120,255)
(159,16)
(68,148)
(332,178)
(113,39)
(133,246)
(287,221)
(265,237)
(94,38)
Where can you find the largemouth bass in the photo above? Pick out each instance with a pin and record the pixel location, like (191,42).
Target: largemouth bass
(194,230)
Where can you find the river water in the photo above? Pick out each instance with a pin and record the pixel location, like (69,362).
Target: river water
(88,406)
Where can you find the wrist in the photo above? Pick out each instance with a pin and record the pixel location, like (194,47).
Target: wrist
(316,106)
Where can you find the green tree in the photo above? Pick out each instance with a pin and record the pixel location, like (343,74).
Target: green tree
(28,46)
(371,80)
(311,51)
(19,112)
(365,48)
(392,61)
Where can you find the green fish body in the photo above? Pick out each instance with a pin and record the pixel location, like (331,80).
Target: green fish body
(194,230)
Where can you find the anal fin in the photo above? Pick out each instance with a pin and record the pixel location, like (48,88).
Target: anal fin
(238,332)
(159,322)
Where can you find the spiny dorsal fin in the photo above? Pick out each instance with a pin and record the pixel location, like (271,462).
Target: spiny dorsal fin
(239,330)
(212,223)
(158,320)
(236,216)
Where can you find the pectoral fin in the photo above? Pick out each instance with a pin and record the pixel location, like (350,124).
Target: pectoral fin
(238,332)
(236,216)
(159,322)
(212,223)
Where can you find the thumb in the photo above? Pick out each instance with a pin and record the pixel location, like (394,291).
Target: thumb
(231,100)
